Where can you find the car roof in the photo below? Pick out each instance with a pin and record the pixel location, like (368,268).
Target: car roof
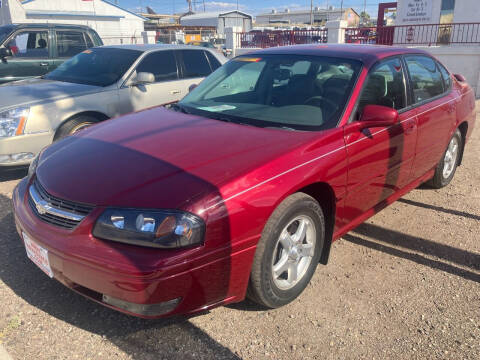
(49,25)
(153,47)
(368,54)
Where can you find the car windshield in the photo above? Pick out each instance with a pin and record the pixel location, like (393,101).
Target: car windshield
(285,91)
(4,32)
(98,66)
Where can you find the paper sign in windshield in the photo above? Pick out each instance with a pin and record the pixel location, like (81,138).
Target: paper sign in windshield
(218,108)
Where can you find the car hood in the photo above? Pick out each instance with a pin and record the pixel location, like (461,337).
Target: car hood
(158,158)
(31,91)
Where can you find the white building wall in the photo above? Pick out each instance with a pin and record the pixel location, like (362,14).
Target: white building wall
(113,24)
(465,11)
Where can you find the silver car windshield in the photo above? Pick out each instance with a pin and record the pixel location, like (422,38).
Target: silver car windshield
(297,92)
(97,66)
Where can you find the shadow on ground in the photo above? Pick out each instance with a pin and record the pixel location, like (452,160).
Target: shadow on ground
(175,338)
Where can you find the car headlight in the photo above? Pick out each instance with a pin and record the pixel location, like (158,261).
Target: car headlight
(166,229)
(12,122)
(33,166)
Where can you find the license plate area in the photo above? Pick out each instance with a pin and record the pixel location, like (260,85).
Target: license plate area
(37,254)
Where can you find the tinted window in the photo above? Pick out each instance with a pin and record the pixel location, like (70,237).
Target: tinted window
(385,86)
(447,79)
(97,66)
(213,61)
(30,44)
(70,43)
(89,40)
(426,79)
(161,64)
(5,31)
(284,91)
(196,64)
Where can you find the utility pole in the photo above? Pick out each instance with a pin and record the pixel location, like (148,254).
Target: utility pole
(364,13)
(203,5)
(311,12)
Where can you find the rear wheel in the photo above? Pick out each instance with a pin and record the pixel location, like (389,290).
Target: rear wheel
(75,125)
(288,251)
(446,168)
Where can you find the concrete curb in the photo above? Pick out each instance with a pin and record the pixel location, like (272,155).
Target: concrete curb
(4,354)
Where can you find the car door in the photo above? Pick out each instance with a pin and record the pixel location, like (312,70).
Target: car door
(166,88)
(380,159)
(196,64)
(69,42)
(436,112)
(31,55)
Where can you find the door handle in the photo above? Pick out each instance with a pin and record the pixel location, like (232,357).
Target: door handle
(174,92)
(43,64)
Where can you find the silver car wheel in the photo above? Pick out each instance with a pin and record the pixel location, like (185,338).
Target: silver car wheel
(293,252)
(451,158)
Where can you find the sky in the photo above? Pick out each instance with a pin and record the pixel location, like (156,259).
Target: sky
(250,6)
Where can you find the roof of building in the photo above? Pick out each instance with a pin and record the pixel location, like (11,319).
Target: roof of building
(307,11)
(213,14)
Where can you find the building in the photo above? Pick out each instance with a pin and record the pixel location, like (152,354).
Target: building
(114,24)
(410,12)
(220,20)
(302,17)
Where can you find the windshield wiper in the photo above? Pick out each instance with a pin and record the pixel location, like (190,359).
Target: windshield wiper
(180,108)
(281,127)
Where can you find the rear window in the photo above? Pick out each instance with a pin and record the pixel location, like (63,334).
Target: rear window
(213,61)
(427,81)
(196,64)
(70,43)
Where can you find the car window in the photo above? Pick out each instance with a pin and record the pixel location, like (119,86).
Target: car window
(29,44)
(89,40)
(214,63)
(97,66)
(298,92)
(385,86)
(5,31)
(447,79)
(161,64)
(425,77)
(70,43)
(196,64)
(239,81)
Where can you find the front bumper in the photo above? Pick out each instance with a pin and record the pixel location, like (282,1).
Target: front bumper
(116,274)
(28,144)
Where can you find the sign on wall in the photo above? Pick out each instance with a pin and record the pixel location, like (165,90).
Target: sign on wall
(416,11)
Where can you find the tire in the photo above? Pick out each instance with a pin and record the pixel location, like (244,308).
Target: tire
(447,166)
(73,126)
(271,288)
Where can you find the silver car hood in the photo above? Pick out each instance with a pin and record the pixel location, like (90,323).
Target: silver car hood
(32,91)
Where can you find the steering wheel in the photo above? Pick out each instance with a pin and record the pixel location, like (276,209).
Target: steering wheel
(321,101)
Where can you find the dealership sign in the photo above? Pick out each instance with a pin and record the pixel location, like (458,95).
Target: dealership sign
(416,11)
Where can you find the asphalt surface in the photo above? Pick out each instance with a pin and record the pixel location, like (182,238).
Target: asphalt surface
(404,285)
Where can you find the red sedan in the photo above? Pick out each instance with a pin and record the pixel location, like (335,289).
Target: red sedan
(241,188)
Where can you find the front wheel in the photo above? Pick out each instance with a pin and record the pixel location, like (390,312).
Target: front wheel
(73,126)
(446,168)
(288,251)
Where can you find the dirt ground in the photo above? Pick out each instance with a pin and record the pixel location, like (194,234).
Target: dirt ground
(404,285)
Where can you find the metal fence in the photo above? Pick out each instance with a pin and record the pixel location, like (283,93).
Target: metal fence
(265,39)
(424,34)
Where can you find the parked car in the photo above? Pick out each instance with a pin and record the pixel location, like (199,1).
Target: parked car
(29,50)
(262,166)
(95,85)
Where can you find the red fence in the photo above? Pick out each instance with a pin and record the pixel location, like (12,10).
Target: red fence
(264,39)
(425,34)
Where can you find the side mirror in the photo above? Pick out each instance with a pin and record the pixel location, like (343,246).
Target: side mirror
(377,115)
(459,77)
(5,52)
(143,78)
(191,87)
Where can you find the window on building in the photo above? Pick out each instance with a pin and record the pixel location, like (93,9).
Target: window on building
(30,44)
(70,43)
(427,81)
(385,86)
(161,64)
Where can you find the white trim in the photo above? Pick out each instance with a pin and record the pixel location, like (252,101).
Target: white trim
(320,157)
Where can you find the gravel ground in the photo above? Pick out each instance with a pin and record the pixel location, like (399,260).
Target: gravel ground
(404,285)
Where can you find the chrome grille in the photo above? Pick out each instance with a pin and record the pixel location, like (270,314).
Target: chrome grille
(55,211)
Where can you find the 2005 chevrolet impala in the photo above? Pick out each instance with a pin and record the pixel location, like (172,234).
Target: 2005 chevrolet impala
(243,186)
